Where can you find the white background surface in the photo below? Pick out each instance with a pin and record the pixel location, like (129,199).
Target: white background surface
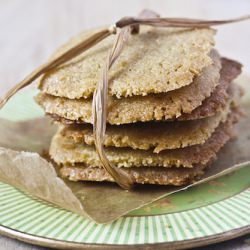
(31,29)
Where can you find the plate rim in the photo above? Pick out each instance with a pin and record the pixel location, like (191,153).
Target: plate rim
(62,244)
(177,244)
(183,244)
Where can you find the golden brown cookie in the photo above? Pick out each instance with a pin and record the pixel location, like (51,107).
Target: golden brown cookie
(140,108)
(218,99)
(156,136)
(154,61)
(64,150)
(143,175)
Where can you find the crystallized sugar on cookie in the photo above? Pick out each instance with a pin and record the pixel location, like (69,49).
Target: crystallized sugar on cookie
(156,60)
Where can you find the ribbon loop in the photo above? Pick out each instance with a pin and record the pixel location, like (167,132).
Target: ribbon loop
(99,105)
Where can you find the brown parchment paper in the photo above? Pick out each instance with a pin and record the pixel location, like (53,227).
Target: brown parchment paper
(21,164)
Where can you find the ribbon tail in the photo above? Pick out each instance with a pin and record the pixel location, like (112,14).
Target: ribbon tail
(55,62)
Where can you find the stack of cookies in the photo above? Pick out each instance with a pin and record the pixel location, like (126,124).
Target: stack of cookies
(171,107)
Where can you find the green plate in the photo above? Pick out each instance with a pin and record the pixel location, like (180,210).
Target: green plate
(213,212)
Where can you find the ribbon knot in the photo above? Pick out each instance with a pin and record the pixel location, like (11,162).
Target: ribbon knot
(112,29)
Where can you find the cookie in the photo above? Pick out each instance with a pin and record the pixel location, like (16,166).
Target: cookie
(63,150)
(140,108)
(156,136)
(156,60)
(143,175)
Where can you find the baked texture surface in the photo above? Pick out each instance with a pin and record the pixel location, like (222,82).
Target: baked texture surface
(154,61)
(156,136)
(218,99)
(65,151)
(162,106)
(143,175)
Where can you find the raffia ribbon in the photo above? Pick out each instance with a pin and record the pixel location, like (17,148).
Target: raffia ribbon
(126,26)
